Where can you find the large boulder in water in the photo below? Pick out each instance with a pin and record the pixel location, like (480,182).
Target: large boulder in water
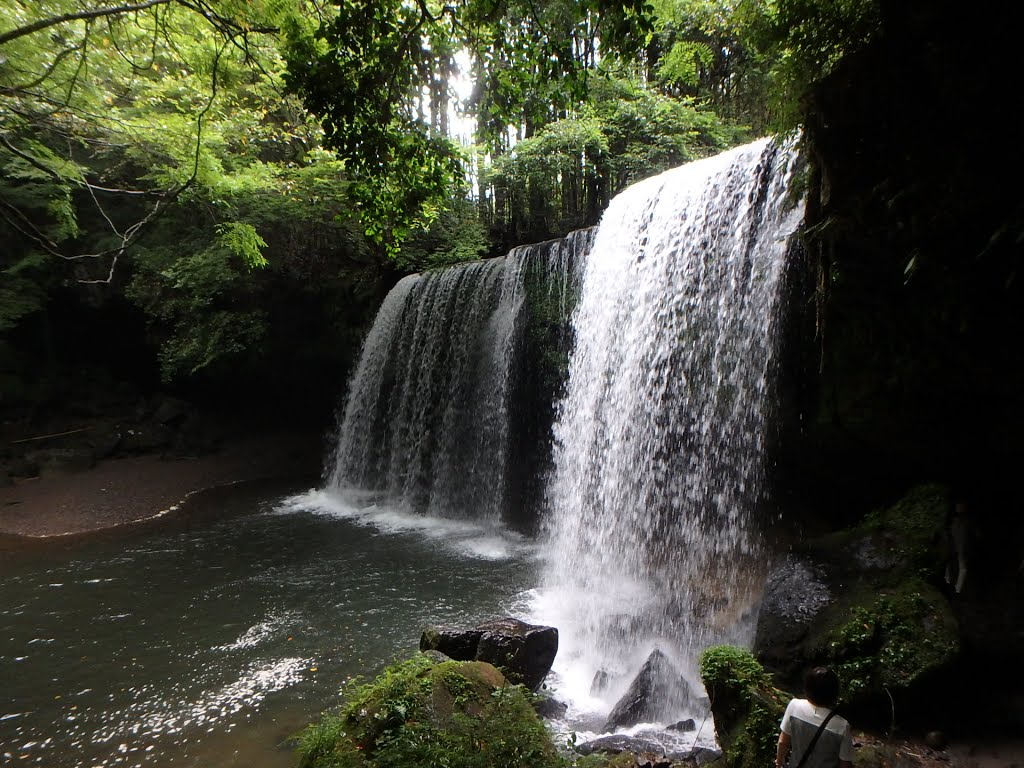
(659,689)
(525,652)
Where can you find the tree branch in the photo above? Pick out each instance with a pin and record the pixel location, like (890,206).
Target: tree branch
(222,22)
(96,13)
(20,223)
(15,89)
(132,232)
(58,177)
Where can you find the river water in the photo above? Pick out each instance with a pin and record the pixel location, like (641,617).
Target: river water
(215,639)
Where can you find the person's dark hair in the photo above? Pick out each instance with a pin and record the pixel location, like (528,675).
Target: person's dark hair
(821,685)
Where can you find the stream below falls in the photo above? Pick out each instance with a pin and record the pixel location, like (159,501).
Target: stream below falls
(215,637)
(211,643)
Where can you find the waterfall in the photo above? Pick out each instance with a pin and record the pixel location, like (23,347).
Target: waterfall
(427,423)
(657,452)
(660,436)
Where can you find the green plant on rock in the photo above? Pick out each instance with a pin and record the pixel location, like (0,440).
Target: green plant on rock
(549,305)
(422,713)
(732,671)
(913,526)
(890,640)
(746,706)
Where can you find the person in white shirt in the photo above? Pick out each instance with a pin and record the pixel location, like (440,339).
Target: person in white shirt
(833,748)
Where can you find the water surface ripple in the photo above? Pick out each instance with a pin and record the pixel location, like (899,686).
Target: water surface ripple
(213,645)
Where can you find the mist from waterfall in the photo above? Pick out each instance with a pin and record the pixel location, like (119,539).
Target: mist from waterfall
(659,455)
(427,425)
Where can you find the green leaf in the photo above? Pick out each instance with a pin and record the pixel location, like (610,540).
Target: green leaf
(244,241)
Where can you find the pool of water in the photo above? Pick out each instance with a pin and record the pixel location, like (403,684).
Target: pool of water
(214,638)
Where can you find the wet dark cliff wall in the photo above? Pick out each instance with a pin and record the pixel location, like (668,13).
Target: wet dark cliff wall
(905,350)
(909,308)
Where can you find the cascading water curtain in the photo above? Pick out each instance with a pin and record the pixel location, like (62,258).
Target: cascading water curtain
(427,418)
(659,440)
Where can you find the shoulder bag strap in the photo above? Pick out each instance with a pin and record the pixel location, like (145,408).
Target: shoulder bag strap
(814,741)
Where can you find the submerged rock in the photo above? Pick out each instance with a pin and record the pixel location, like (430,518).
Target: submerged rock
(550,708)
(684,726)
(644,751)
(524,651)
(650,752)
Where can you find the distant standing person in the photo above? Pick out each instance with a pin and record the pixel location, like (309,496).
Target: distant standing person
(813,735)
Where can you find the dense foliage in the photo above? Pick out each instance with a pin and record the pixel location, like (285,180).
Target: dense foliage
(205,158)
(747,708)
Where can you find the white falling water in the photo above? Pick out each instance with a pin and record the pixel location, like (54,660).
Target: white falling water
(659,440)
(426,425)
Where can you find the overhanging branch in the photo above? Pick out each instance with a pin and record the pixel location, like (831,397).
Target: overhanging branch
(96,13)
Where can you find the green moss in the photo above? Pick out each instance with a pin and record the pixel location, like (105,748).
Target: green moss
(906,538)
(913,526)
(327,744)
(754,744)
(890,626)
(418,713)
(746,706)
(887,639)
(549,305)
(733,672)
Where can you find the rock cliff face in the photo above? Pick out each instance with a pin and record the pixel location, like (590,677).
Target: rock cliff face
(892,603)
(906,364)
(905,368)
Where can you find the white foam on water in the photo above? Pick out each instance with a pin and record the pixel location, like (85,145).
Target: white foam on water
(485,540)
(258,633)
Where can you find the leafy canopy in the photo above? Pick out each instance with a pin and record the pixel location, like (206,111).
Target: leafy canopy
(370,71)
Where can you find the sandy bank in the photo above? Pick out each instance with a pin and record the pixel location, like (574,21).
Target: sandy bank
(122,491)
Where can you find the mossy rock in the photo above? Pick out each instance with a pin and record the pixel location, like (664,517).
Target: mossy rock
(886,640)
(886,627)
(890,629)
(422,712)
(904,539)
(746,707)
(912,529)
